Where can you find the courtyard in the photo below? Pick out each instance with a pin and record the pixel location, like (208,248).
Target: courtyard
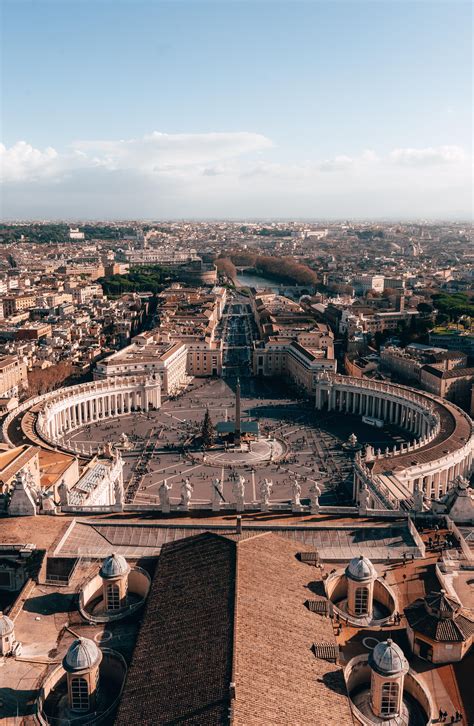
(295,441)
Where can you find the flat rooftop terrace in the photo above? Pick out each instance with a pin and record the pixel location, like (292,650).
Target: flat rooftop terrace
(333,541)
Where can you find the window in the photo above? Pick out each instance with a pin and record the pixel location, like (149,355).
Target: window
(361,601)
(113,597)
(79,694)
(389,703)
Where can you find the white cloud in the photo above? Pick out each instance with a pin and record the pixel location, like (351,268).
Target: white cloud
(153,153)
(158,152)
(224,174)
(22,161)
(428,156)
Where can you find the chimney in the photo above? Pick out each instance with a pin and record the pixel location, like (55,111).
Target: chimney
(238,525)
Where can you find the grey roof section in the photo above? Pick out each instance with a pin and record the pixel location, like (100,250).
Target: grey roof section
(114,566)
(361,569)
(337,543)
(81,655)
(388,659)
(6,625)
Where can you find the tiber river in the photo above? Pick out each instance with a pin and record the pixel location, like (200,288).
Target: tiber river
(250,280)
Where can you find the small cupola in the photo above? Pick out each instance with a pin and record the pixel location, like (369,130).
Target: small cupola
(114,573)
(389,666)
(361,575)
(7,634)
(81,664)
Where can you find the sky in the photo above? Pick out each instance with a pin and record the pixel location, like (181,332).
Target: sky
(315,109)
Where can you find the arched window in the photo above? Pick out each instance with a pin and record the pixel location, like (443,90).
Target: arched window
(389,702)
(113,597)
(361,601)
(79,694)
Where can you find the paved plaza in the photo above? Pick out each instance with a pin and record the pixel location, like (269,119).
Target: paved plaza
(295,441)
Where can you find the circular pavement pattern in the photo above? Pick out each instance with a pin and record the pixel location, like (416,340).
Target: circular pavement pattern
(306,443)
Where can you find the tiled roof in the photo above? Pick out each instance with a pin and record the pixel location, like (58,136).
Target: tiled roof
(182,663)
(455,629)
(228,610)
(278,679)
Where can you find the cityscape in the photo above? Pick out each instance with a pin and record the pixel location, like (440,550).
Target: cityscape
(236,382)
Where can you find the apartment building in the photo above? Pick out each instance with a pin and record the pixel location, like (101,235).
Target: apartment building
(13,376)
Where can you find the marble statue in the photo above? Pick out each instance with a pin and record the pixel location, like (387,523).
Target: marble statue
(266,486)
(125,441)
(63,494)
(314,494)
(238,490)
(363,498)
(186,493)
(417,498)
(217,493)
(164,495)
(295,493)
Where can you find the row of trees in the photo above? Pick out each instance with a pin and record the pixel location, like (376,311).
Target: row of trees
(42,381)
(225,266)
(282,269)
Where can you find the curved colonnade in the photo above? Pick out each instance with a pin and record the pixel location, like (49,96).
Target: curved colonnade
(61,412)
(441,450)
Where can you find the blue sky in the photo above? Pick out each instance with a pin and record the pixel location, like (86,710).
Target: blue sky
(236,109)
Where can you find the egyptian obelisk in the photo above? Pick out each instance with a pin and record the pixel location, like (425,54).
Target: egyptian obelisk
(237,431)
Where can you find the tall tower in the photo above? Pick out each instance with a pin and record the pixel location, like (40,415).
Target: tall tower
(237,429)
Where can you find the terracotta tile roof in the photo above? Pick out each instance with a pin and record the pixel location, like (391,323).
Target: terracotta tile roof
(182,663)
(278,679)
(53,464)
(12,460)
(232,609)
(424,616)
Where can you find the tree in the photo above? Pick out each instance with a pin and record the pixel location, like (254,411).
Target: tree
(207,431)
(424,308)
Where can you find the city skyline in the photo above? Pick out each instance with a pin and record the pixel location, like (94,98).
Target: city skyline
(201,110)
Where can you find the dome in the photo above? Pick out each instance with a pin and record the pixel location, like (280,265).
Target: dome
(361,568)
(6,625)
(114,566)
(82,654)
(387,658)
